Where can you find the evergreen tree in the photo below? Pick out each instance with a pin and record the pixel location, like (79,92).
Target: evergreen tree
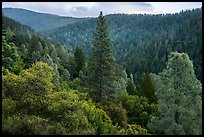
(56,76)
(79,59)
(23,51)
(53,54)
(147,88)
(121,82)
(10,55)
(63,54)
(65,76)
(101,63)
(179,98)
(131,88)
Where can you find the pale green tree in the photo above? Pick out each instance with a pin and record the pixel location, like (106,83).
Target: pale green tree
(179,98)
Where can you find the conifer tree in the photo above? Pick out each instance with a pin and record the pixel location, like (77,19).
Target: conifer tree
(121,82)
(79,59)
(10,55)
(147,88)
(131,88)
(179,98)
(101,63)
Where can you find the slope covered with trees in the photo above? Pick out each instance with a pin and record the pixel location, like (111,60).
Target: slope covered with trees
(139,41)
(143,38)
(42,90)
(50,89)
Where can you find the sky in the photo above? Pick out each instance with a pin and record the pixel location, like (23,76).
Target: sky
(92,9)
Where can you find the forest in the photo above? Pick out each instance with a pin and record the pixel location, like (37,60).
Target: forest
(98,76)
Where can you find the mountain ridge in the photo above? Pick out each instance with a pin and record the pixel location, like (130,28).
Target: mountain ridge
(36,20)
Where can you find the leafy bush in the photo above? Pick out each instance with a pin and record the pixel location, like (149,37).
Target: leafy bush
(134,129)
(99,120)
(66,108)
(29,88)
(138,108)
(30,125)
(8,107)
(116,112)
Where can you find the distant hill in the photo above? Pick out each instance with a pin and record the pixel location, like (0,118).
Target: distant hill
(38,21)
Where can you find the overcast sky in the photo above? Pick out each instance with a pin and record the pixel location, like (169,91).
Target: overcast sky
(92,9)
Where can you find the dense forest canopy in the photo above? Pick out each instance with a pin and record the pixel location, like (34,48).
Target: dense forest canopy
(112,75)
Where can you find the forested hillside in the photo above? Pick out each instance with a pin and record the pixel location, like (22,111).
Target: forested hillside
(64,88)
(140,41)
(45,87)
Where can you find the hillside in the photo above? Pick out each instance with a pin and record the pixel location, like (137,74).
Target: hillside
(53,88)
(39,90)
(140,41)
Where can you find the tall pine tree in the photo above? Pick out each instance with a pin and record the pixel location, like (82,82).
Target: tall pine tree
(101,76)
(179,98)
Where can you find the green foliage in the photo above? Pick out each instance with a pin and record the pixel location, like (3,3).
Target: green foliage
(56,76)
(10,55)
(99,120)
(75,84)
(34,47)
(10,86)
(147,89)
(18,66)
(30,125)
(134,129)
(131,88)
(117,114)
(121,82)
(8,107)
(4,71)
(179,98)
(64,75)
(142,42)
(139,110)
(29,87)
(101,62)
(53,97)
(79,59)
(40,76)
(66,108)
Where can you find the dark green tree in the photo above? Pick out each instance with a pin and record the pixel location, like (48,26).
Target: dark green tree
(101,63)
(79,59)
(147,88)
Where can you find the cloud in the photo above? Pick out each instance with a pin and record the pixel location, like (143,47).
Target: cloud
(173,7)
(111,8)
(142,4)
(123,7)
(58,8)
(81,9)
